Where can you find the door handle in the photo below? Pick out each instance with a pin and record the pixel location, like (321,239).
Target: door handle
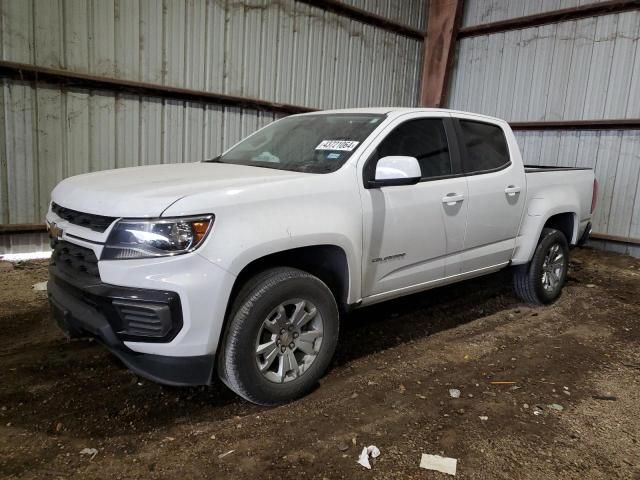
(452,198)
(511,190)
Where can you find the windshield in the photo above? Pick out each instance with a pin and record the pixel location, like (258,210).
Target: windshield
(306,143)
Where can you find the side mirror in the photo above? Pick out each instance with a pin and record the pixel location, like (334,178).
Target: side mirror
(396,170)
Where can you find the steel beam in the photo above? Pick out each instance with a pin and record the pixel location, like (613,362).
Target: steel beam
(439,46)
(69,79)
(22,228)
(615,238)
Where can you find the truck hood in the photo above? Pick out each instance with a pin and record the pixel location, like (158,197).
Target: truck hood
(148,191)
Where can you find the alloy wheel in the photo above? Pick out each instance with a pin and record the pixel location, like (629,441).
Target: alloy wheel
(289,340)
(553,268)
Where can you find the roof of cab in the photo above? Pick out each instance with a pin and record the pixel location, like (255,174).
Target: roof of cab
(401,110)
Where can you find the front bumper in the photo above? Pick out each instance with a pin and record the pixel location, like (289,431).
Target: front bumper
(92,308)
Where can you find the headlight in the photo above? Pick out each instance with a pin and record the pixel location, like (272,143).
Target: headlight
(133,238)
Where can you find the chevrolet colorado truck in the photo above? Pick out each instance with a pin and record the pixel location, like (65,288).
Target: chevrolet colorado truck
(243,265)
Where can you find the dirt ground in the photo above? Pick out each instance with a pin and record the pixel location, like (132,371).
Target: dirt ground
(389,386)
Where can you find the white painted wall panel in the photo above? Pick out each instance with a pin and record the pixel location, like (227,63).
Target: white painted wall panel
(627,181)
(576,81)
(626,49)
(585,69)
(600,66)
(20,171)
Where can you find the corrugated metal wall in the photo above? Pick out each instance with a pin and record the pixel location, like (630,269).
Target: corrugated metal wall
(584,69)
(477,12)
(281,51)
(408,13)
(615,157)
(579,70)
(52,134)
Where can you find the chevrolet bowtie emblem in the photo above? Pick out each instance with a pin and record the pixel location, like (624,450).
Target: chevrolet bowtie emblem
(55,232)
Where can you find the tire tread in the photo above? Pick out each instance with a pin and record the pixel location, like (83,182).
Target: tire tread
(525,280)
(250,293)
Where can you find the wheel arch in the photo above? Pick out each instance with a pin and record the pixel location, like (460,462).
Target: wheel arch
(566,223)
(562,217)
(327,262)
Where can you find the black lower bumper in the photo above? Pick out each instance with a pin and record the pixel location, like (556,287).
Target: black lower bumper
(90,309)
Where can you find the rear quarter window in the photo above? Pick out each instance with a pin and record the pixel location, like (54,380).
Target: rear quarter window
(486,147)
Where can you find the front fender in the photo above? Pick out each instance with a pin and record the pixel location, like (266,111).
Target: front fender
(253,223)
(260,250)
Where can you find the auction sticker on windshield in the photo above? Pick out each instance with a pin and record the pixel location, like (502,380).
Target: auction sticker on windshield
(346,145)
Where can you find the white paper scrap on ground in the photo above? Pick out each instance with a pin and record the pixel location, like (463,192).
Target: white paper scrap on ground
(438,463)
(22,257)
(40,287)
(89,451)
(370,451)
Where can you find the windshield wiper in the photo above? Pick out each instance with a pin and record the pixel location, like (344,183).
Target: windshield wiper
(214,160)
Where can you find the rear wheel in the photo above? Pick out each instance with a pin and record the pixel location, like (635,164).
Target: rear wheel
(542,279)
(282,335)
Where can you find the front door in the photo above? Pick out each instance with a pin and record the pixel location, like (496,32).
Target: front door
(410,230)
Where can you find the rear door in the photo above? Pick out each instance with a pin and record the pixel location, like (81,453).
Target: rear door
(410,230)
(496,193)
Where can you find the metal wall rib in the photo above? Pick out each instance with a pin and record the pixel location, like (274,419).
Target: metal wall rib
(281,51)
(587,69)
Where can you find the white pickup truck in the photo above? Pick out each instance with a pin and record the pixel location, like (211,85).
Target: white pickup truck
(242,265)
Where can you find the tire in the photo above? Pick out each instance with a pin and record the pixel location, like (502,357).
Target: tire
(276,301)
(529,280)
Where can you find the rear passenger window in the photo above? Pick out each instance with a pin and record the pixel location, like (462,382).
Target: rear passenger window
(486,146)
(424,139)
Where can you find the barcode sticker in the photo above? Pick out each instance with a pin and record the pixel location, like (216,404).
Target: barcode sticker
(345,145)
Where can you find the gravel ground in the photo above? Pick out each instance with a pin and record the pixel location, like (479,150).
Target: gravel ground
(570,409)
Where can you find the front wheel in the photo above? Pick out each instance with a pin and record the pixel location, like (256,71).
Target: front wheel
(282,335)
(542,279)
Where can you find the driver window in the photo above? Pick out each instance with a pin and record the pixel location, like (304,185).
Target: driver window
(424,139)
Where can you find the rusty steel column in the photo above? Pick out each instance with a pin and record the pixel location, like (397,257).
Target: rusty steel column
(439,47)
